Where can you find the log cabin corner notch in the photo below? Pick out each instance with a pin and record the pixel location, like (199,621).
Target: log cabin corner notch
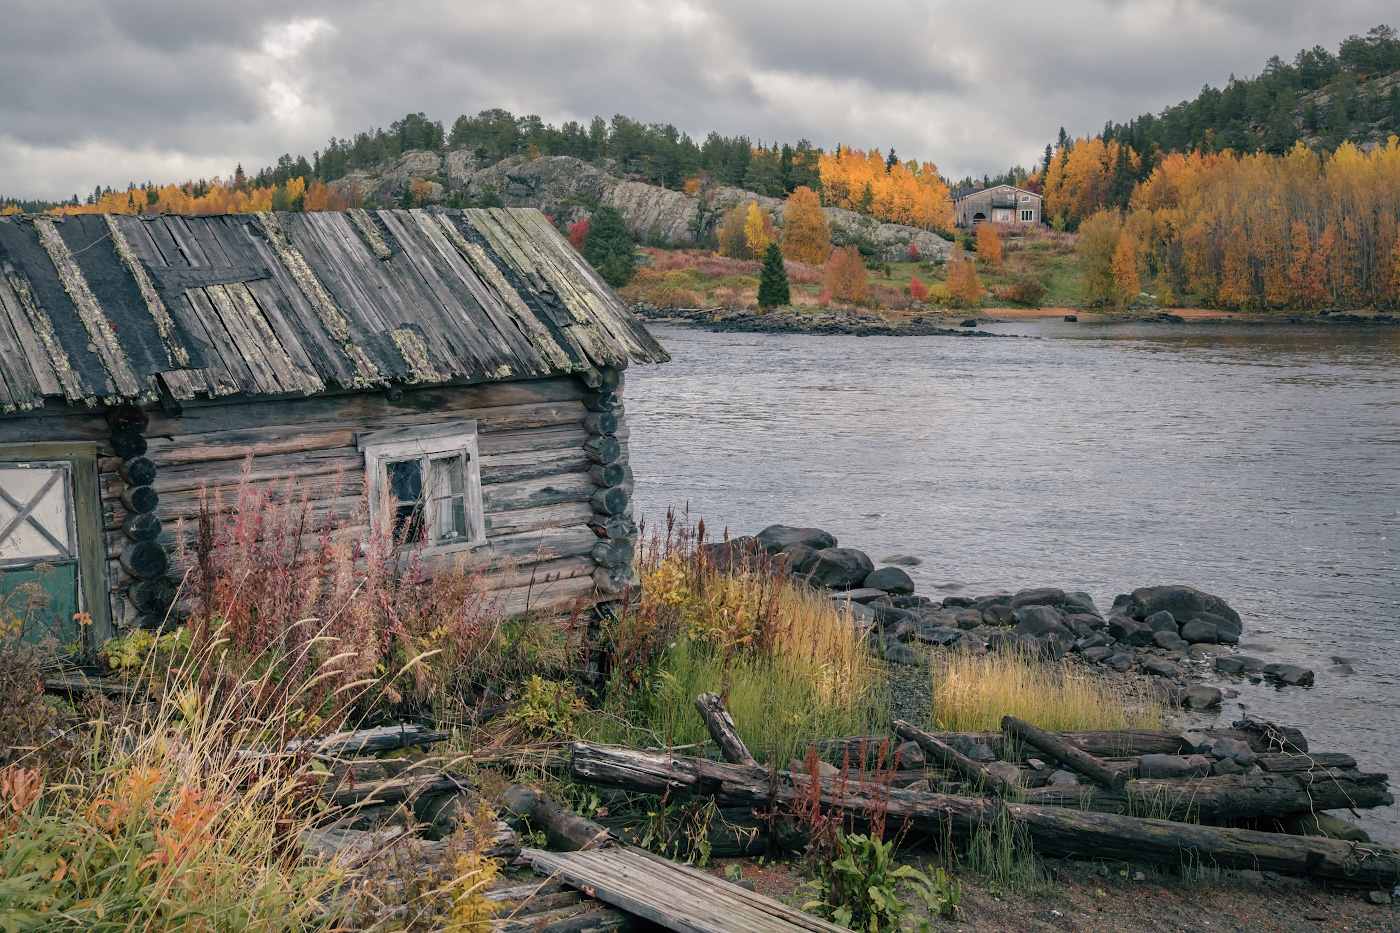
(470,361)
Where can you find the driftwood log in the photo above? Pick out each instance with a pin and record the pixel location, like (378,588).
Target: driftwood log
(564,828)
(1053,830)
(952,759)
(1078,759)
(723,730)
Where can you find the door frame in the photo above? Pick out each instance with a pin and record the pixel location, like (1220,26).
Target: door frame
(87,511)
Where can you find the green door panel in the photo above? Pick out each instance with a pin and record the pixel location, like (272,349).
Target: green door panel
(40,602)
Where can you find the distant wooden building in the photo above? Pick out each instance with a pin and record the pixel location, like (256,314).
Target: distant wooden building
(1003,204)
(465,363)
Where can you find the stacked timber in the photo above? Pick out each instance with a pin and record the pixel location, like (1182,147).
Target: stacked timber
(143,557)
(1094,812)
(612,501)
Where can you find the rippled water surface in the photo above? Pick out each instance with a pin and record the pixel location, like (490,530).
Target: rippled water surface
(1260,463)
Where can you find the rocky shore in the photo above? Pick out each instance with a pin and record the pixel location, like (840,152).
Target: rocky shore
(1175,635)
(819,323)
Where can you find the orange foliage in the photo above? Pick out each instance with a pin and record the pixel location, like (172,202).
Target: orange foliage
(806,234)
(1076,183)
(692,186)
(963,285)
(1125,270)
(758,230)
(846,277)
(216,198)
(917,290)
(988,244)
(907,193)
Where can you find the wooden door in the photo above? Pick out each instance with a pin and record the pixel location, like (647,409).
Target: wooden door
(39,557)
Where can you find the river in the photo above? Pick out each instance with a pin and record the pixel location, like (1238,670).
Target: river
(1257,462)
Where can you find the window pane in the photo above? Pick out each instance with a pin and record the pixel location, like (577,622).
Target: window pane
(405,485)
(449,493)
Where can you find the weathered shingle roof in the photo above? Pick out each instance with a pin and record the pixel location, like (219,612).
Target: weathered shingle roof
(105,308)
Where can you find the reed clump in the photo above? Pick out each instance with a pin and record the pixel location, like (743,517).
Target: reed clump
(973,693)
(789,667)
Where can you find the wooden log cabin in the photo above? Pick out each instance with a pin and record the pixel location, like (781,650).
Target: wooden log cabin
(463,366)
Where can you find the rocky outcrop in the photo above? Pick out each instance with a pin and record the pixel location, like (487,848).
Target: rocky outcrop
(573,187)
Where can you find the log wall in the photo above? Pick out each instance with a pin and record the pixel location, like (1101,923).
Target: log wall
(562,526)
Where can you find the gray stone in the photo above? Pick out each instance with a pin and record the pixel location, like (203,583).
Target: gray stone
(1121,662)
(1227,630)
(1250,665)
(1097,654)
(1161,622)
(902,560)
(1045,596)
(902,630)
(840,568)
(998,615)
(1196,743)
(1379,898)
(1238,751)
(1092,621)
(1163,766)
(1063,778)
(1092,640)
(1203,652)
(1250,877)
(1161,667)
(777,538)
(863,595)
(1130,632)
(1199,765)
(1169,641)
(968,618)
(1006,771)
(1003,640)
(1080,602)
(728,555)
(1199,696)
(1183,602)
(1228,665)
(891,580)
(1290,674)
(897,653)
(940,636)
(1040,621)
(914,602)
(1199,631)
(957,602)
(973,749)
(800,558)
(1052,646)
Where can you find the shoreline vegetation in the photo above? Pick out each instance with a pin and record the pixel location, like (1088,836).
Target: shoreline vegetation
(312,749)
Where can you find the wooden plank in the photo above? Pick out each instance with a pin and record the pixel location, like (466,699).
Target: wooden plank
(34,353)
(250,350)
(74,387)
(687,902)
(529,494)
(176,352)
(227,370)
(290,376)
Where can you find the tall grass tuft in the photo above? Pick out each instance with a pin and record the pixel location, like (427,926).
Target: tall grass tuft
(788,666)
(973,693)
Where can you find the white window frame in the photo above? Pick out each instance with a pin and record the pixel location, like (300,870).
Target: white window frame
(1027,216)
(424,442)
(1025,198)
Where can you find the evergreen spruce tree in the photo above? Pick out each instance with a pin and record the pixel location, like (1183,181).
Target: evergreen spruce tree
(608,246)
(773,287)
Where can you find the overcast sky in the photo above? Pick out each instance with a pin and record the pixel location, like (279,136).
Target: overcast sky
(102,92)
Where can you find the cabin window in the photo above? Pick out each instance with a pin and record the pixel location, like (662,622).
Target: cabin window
(1025,198)
(424,486)
(1027,216)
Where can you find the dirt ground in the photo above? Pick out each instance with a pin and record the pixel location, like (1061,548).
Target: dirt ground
(1078,896)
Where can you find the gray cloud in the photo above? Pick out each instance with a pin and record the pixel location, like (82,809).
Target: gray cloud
(107,92)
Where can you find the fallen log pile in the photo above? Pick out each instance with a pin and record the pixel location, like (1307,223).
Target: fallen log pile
(1136,812)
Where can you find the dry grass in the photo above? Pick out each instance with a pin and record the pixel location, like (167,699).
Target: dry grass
(973,693)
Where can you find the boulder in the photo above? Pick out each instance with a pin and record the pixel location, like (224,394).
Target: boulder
(1041,620)
(939,636)
(1199,765)
(1199,631)
(1005,770)
(1062,779)
(996,599)
(890,579)
(968,618)
(901,630)
(732,554)
(1225,766)
(897,653)
(1199,696)
(913,602)
(1161,622)
(1234,749)
(864,595)
(888,615)
(902,560)
(1130,632)
(1290,674)
(957,602)
(1121,662)
(998,615)
(777,538)
(1197,743)
(1052,646)
(1092,640)
(1004,640)
(973,749)
(1097,654)
(1080,602)
(1227,631)
(1163,766)
(1045,596)
(1168,641)
(1160,667)
(800,558)
(1094,623)
(1183,602)
(840,568)
(1204,652)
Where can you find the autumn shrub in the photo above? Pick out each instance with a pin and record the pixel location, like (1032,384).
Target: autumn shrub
(1025,291)
(791,667)
(846,276)
(672,296)
(913,252)
(989,244)
(732,240)
(806,233)
(577,231)
(280,585)
(917,290)
(964,288)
